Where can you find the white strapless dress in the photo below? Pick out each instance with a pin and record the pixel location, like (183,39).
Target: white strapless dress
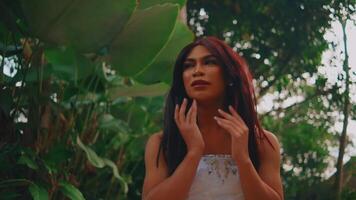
(217,178)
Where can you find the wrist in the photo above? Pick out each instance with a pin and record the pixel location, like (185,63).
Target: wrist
(195,153)
(196,149)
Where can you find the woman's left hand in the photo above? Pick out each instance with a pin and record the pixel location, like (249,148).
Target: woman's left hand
(238,130)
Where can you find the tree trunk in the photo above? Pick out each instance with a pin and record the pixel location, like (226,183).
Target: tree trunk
(346,110)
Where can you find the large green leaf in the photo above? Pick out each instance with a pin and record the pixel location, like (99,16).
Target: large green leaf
(109,122)
(99,162)
(28,157)
(93,158)
(12,183)
(37,192)
(139,90)
(26,160)
(85,24)
(67,64)
(34,74)
(70,191)
(162,67)
(145,35)
(58,153)
(123,183)
(148,3)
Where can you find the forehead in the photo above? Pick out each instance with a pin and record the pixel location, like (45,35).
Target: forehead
(197,52)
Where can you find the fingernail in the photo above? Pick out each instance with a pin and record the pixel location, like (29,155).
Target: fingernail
(230,107)
(217,119)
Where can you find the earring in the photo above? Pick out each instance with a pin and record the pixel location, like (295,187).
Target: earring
(231,84)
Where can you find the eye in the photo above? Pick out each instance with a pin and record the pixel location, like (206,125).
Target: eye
(187,65)
(211,62)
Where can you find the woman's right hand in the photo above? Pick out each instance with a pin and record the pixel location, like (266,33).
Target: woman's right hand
(187,125)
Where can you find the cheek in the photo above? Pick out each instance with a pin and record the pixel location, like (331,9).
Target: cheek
(186,79)
(220,83)
(219,77)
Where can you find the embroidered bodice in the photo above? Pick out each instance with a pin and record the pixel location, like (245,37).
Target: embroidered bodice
(217,178)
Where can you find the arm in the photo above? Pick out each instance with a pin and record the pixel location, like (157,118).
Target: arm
(266,183)
(157,185)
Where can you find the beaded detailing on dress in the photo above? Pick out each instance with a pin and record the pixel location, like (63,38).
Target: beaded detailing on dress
(217,178)
(222,168)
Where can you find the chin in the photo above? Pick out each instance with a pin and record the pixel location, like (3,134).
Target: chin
(203,97)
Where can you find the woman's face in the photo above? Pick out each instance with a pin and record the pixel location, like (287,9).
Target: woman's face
(202,76)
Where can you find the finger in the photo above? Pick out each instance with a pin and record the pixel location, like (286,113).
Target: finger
(225,121)
(182,110)
(230,123)
(189,114)
(176,116)
(193,118)
(227,125)
(235,114)
(240,122)
(228,116)
(225,114)
(237,117)
(230,128)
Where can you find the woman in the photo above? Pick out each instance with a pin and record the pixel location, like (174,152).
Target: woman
(212,145)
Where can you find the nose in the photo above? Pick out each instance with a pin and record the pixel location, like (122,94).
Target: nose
(198,70)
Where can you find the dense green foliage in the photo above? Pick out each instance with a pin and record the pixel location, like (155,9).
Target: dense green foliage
(74,112)
(82,87)
(283,42)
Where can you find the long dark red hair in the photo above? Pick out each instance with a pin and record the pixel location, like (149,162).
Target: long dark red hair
(240,94)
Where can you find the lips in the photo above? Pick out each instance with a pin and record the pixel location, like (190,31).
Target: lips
(200,82)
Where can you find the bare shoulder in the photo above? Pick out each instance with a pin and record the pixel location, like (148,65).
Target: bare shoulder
(269,145)
(154,139)
(269,171)
(152,146)
(154,174)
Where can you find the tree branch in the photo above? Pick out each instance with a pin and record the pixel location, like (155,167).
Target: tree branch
(316,94)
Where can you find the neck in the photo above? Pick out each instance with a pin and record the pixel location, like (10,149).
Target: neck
(206,112)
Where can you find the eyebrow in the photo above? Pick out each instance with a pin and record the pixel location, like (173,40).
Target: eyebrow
(204,57)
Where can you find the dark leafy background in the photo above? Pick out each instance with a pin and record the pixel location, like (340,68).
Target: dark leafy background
(89,80)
